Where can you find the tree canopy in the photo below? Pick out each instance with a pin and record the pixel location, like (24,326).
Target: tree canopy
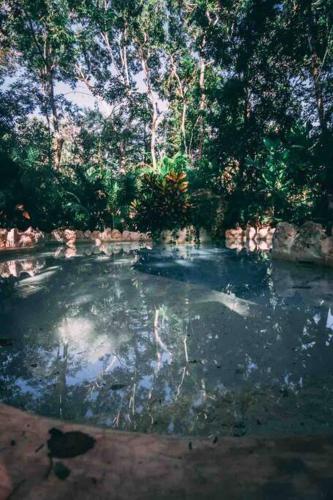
(158,113)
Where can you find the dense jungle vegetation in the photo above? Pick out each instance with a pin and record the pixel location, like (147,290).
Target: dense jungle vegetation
(155,114)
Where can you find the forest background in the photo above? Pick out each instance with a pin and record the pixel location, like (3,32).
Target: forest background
(157,114)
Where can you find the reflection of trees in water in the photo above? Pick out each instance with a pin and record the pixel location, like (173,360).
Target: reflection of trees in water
(138,348)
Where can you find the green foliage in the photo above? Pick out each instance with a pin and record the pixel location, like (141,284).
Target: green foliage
(163,201)
(237,96)
(177,164)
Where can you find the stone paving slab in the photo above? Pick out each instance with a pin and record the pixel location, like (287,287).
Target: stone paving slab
(81,462)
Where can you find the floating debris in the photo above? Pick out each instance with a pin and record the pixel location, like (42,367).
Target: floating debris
(69,444)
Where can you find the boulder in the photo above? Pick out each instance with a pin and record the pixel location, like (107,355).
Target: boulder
(269,237)
(234,234)
(96,235)
(250,232)
(263,245)
(26,240)
(135,236)
(57,236)
(145,237)
(106,235)
(233,244)
(283,240)
(3,237)
(251,246)
(115,234)
(263,232)
(307,244)
(13,238)
(70,237)
(80,236)
(126,236)
(69,234)
(35,234)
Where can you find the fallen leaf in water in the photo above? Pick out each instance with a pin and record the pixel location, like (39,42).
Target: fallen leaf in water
(69,444)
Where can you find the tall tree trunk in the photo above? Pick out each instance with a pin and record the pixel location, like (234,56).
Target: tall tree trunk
(315,70)
(183,126)
(202,105)
(123,58)
(58,139)
(154,107)
(316,64)
(182,91)
(315,73)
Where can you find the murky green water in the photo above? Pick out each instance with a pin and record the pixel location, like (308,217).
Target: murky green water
(175,340)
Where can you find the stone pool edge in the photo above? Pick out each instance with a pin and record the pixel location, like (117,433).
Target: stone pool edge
(126,465)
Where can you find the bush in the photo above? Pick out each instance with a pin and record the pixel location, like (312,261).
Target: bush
(163,200)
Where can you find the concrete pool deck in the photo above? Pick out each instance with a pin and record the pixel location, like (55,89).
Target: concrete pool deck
(82,462)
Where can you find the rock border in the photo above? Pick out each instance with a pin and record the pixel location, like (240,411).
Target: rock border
(13,240)
(105,464)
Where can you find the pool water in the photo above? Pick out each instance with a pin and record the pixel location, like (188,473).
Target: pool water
(179,340)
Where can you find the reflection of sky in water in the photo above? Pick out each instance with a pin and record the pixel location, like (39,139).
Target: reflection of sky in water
(180,340)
